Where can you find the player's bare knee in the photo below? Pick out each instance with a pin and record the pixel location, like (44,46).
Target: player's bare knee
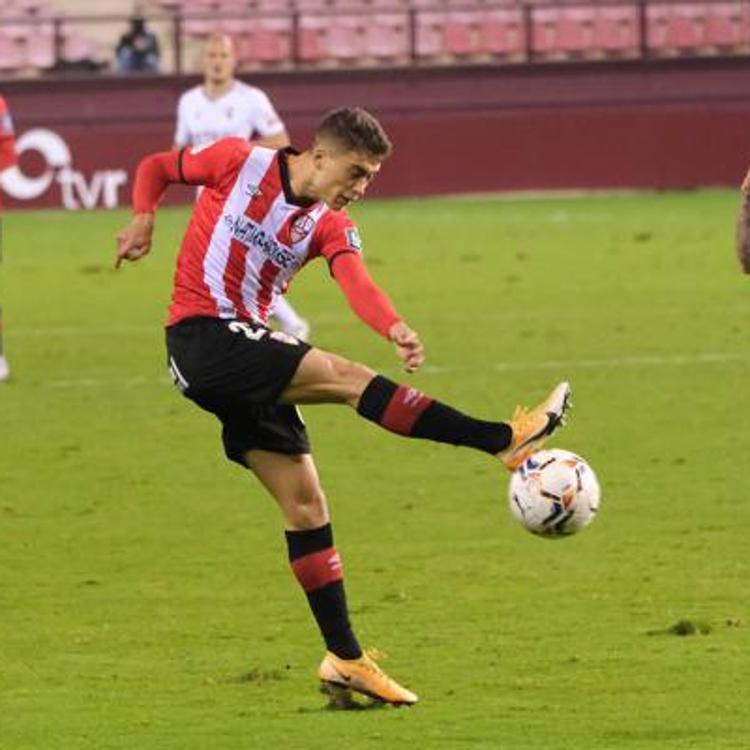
(352,377)
(308,508)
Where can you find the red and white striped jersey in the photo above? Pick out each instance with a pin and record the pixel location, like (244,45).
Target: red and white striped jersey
(248,235)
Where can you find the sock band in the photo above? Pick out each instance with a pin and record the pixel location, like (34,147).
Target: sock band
(318,569)
(404,409)
(301,543)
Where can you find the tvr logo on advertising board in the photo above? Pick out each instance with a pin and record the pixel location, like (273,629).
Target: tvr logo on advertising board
(101,189)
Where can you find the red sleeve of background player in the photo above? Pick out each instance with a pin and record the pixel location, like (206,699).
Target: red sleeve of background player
(338,241)
(7,143)
(215,166)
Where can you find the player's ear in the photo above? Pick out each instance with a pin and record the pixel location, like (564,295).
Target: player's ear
(319,155)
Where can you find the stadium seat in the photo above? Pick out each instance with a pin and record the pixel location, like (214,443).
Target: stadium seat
(274,6)
(268,43)
(312,37)
(429,34)
(673,28)
(40,50)
(346,37)
(310,6)
(501,32)
(615,30)
(561,32)
(461,37)
(11,55)
(684,28)
(387,36)
(723,25)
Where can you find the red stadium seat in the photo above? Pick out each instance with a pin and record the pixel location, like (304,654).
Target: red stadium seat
(461,34)
(312,39)
(269,42)
(562,31)
(11,54)
(346,37)
(501,32)
(387,36)
(684,28)
(723,25)
(430,30)
(615,29)
(40,50)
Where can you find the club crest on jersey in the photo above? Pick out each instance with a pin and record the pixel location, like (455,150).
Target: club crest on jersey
(301,227)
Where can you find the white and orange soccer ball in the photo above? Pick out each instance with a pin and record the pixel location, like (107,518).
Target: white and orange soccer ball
(554,493)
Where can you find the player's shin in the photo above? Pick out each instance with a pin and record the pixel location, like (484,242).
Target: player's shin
(409,412)
(317,567)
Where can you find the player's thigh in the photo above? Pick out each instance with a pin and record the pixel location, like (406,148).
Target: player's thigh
(323,377)
(293,482)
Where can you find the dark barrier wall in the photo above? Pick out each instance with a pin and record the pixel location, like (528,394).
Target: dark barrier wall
(643,124)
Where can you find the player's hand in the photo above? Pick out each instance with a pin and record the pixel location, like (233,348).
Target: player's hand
(134,241)
(408,346)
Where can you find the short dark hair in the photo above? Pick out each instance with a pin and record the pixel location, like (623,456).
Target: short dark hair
(356,130)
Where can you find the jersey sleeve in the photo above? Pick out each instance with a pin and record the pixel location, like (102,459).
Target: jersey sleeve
(182,132)
(7,142)
(337,240)
(216,166)
(335,235)
(268,123)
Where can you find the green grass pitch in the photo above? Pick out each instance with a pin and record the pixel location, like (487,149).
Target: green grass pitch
(145,598)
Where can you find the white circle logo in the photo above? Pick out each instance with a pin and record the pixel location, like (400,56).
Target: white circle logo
(56,154)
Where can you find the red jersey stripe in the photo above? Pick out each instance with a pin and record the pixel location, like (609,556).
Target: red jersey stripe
(268,273)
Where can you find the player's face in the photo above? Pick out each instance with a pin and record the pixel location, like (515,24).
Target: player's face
(218,62)
(343,177)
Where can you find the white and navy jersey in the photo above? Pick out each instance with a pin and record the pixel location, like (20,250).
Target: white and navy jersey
(248,235)
(244,111)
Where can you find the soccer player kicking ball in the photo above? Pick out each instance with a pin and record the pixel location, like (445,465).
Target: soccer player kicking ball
(264,215)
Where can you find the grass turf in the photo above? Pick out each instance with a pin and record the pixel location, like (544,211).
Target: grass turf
(145,597)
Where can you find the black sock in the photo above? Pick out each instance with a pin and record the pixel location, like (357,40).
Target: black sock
(317,566)
(407,411)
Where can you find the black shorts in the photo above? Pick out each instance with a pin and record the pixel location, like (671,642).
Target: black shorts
(237,371)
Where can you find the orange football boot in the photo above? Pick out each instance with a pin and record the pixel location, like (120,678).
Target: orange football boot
(532,427)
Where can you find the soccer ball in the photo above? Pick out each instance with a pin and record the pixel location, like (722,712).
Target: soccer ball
(554,493)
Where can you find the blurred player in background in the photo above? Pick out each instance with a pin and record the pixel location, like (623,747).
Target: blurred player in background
(264,214)
(7,159)
(223,106)
(743,226)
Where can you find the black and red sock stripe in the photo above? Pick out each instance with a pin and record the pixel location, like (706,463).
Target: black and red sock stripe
(317,566)
(409,412)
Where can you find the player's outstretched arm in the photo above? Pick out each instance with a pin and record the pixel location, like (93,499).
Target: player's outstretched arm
(743,226)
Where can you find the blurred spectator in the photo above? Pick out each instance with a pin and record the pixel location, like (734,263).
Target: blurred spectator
(138,50)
